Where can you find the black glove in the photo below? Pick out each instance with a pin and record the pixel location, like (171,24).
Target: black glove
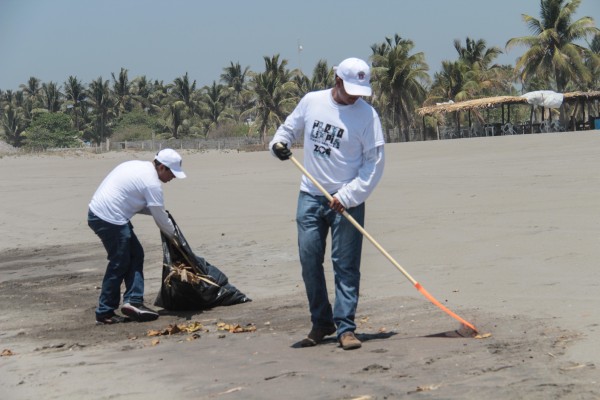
(281,151)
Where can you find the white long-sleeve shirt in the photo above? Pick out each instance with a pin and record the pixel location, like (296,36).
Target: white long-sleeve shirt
(132,187)
(343,146)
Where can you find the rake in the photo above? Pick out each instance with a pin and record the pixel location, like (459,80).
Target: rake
(366,234)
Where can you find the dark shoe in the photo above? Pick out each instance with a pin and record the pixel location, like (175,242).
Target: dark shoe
(139,312)
(316,335)
(109,320)
(348,341)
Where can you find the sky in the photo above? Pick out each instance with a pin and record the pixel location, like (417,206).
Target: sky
(54,39)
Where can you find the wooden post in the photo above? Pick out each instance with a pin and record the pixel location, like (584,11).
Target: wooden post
(574,116)
(531,120)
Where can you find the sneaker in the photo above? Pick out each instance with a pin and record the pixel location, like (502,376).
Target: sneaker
(139,312)
(316,335)
(348,341)
(111,319)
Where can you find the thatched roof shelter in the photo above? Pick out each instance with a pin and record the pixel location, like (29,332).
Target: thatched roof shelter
(477,104)
(575,99)
(582,96)
(493,102)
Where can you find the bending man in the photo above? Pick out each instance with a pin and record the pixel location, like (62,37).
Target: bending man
(132,187)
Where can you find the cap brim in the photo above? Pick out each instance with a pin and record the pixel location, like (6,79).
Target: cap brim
(178,174)
(357,90)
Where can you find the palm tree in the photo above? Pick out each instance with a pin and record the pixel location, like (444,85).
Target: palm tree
(235,77)
(13,125)
(274,95)
(322,78)
(453,83)
(102,103)
(399,81)
(183,90)
(122,92)
(16,114)
(214,105)
(479,58)
(19,98)
(142,91)
(276,68)
(476,52)
(175,117)
(75,94)
(592,61)
(553,53)
(6,97)
(180,104)
(9,97)
(51,96)
(32,90)
(159,93)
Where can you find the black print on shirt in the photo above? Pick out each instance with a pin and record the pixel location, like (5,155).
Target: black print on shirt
(322,150)
(325,136)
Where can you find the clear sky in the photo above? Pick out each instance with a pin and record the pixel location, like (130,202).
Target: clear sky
(164,39)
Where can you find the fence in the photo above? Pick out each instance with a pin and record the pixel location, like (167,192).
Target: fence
(241,143)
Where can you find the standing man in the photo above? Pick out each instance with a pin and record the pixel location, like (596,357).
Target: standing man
(132,187)
(343,151)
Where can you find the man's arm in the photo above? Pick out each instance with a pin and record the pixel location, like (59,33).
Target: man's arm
(360,188)
(162,220)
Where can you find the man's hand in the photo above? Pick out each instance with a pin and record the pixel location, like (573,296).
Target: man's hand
(281,151)
(336,205)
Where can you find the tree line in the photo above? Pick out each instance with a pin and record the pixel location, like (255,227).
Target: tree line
(561,54)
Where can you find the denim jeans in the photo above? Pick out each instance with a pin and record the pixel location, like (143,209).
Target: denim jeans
(314,219)
(125,264)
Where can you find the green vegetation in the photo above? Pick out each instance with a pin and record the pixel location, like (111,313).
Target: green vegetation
(51,130)
(561,54)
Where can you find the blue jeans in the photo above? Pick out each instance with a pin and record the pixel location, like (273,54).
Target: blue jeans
(125,264)
(314,219)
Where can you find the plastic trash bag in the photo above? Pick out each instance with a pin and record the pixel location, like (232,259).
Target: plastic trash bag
(189,282)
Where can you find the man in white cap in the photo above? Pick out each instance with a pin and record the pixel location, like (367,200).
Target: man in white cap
(343,151)
(132,187)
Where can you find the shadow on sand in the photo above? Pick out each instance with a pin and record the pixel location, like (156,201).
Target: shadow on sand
(363,337)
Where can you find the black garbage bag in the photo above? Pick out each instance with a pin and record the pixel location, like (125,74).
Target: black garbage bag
(189,282)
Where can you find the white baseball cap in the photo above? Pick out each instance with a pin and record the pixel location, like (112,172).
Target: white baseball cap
(356,75)
(172,160)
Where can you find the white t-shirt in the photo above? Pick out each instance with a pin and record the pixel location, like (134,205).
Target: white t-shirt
(343,145)
(132,187)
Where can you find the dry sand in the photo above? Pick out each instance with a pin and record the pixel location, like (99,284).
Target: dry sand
(503,230)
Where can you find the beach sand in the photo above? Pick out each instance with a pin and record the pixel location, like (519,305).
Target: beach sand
(503,231)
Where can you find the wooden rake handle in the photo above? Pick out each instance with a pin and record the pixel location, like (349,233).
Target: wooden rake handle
(353,221)
(366,234)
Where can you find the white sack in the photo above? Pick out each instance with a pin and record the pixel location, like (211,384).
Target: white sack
(544,98)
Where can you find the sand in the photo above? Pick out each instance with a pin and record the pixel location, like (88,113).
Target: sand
(503,231)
